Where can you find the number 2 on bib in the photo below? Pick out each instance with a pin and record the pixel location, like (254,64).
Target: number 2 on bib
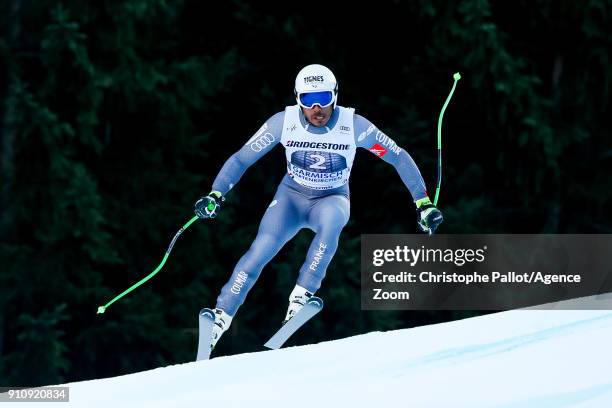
(320,160)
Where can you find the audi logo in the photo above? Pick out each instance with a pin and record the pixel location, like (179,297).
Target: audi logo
(264,141)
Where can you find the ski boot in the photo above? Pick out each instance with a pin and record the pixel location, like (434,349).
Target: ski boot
(299,296)
(222,323)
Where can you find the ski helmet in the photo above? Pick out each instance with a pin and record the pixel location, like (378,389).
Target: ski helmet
(315,85)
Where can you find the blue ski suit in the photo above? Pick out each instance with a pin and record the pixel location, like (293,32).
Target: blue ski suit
(313,194)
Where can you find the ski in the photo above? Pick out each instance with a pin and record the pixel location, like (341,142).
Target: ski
(311,308)
(206,321)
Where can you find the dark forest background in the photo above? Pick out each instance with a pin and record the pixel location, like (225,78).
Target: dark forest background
(115,116)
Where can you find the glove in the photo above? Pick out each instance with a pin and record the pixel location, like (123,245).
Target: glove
(209,206)
(428,216)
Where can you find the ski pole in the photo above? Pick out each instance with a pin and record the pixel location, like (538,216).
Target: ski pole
(102,309)
(456,77)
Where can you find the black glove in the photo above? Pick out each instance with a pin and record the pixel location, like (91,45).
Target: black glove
(209,206)
(428,216)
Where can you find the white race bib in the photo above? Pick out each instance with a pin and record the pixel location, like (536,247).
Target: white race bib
(320,162)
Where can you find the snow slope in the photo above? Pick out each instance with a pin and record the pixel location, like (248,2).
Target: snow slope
(521,358)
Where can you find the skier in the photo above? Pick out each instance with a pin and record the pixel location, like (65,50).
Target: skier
(320,139)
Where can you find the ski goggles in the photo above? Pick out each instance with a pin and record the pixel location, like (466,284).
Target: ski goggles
(310,99)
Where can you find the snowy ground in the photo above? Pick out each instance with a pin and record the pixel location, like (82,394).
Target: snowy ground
(523,358)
